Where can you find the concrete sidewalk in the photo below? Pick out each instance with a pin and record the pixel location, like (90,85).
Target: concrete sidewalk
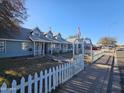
(95,79)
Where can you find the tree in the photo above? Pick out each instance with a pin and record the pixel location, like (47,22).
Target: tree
(105,41)
(12,13)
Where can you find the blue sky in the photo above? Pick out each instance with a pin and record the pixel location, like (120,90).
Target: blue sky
(96,18)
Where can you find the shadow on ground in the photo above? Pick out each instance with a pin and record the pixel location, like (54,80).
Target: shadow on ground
(93,80)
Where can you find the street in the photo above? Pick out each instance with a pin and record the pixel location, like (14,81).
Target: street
(120,60)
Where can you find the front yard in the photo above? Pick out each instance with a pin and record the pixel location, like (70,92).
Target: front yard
(15,68)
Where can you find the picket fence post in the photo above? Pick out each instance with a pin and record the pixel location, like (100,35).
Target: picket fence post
(29,84)
(22,85)
(35,83)
(66,69)
(41,82)
(46,84)
(14,84)
(50,74)
(69,70)
(4,88)
(62,73)
(54,78)
(60,76)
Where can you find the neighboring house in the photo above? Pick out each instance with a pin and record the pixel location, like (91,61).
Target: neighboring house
(31,42)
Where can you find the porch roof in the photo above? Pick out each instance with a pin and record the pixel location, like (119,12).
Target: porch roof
(39,39)
(64,41)
(53,40)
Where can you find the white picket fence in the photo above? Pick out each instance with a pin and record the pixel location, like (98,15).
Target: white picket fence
(97,55)
(47,80)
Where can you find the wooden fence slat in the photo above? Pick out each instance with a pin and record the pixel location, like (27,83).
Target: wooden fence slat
(64,72)
(14,84)
(54,78)
(35,83)
(46,83)
(57,76)
(4,88)
(41,82)
(50,73)
(67,71)
(60,74)
(29,84)
(22,89)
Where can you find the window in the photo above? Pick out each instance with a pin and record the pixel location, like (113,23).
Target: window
(36,33)
(24,45)
(2,46)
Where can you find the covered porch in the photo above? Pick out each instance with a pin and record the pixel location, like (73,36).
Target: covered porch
(41,48)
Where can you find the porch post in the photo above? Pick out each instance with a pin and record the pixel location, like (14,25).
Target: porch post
(51,48)
(60,47)
(34,48)
(66,47)
(43,48)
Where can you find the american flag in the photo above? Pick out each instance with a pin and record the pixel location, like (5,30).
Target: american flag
(78,33)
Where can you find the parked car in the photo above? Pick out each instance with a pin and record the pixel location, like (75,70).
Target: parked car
(96,47)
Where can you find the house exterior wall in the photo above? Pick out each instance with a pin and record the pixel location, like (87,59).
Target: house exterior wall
(17,48)
(56,48)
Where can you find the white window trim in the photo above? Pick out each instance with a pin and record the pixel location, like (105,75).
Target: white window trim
(4,47)
(25,46)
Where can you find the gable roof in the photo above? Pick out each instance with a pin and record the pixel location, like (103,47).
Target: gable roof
(53,39)
(40,38)
(22,34)
(26,34)
(56,34)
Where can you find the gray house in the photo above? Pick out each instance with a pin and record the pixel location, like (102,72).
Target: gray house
(58,44)
(31,42)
